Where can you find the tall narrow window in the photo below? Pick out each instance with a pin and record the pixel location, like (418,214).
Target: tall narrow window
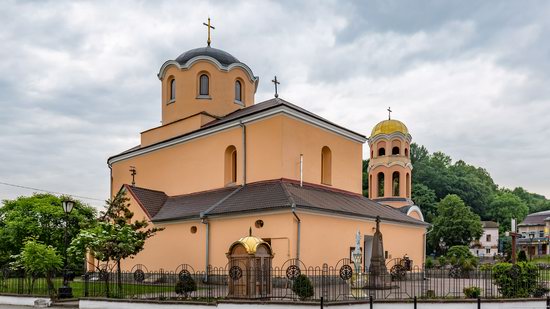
(371,185)
(381,152)
(230,165)
(395,184)
(380,185)
(204,90)
(408,180)
(395,151)
(238,92)
(406,152)
(326,166)
(173,90)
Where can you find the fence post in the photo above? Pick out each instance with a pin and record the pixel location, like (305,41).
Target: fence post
(479,303)
(86,277)
(321,302)
(370,302)
(415,302)
(324,275)
(547,302)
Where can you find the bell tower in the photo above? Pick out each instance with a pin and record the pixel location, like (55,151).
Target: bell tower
(390,168)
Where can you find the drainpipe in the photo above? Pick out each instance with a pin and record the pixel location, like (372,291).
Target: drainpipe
(243,126)
(299,231)
(204,220)
(301,170)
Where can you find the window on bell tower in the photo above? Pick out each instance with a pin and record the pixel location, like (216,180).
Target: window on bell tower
(204,85)
(238,91)
(172,90)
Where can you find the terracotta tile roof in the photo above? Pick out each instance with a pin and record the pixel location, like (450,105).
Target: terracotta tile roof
(150,200)
(274,195)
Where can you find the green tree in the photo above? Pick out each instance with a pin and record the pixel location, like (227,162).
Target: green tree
(535,202)
(506,206)
(116,237)
(38,260)
(366,178)
(455,223)
(425,198)
(40,217)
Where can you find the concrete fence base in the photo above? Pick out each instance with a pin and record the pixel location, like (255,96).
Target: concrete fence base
(381,304)
(23,300)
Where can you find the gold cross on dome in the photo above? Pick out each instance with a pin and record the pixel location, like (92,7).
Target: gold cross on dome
(208,26)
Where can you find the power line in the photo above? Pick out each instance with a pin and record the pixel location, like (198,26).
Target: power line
(51,192)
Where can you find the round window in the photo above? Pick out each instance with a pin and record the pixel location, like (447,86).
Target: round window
(259,224)
(193,229)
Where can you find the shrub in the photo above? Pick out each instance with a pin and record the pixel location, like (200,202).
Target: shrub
(540,290)
(518,280)
(429,263)
(185,285)
(472,292)
(442,260)
(522,256)
(302,287)
(459,252)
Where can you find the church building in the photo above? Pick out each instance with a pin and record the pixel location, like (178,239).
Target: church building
(221,164)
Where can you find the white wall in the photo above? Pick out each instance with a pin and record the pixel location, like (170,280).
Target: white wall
(531,304)
(20,300)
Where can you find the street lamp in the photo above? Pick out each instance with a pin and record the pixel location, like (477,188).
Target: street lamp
(442,244)
(66,291)
(531,236)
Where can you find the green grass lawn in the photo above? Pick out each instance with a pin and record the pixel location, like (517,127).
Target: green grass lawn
(95,288)
(542,259)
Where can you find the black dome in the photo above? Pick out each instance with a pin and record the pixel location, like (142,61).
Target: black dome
(223,57)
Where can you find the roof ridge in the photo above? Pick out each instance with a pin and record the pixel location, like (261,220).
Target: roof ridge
(204,213)
(141,188)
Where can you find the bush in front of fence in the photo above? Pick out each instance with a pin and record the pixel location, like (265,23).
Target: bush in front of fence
(472,292)
(302,287)
(185,285)
(519,280)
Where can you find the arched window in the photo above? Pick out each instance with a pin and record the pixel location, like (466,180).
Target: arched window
(172,90)
(204,87)
(395,150)
(230,165)
(406,152)
(408,185)
(371,154)
(371,185)
(380,184)
(395,184)
(326,166)
(238,91)
(381,152)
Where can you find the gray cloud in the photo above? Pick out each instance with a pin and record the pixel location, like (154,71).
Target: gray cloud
(78,79)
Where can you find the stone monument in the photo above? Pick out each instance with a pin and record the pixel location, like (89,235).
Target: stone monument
(379,278)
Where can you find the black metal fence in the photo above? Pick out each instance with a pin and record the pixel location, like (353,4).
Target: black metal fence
(334,283)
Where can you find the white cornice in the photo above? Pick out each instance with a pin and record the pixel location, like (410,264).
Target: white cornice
(284,110)
(221,67)
(389,137)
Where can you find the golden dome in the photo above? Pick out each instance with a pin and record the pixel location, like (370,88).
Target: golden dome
(388,127)
(250,243)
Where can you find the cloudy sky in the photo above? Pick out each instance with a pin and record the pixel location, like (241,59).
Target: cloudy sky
(470,78)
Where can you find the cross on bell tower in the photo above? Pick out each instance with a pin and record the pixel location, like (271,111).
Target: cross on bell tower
(389,113)
(208,41)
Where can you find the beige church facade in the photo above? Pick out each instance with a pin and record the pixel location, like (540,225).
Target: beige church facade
(221,164)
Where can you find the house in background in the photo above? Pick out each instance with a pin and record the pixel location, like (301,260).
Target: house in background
(487,244)
(534,232)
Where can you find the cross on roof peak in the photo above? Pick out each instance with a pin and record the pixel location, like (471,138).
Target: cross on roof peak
(208,41)
(389,113)
(276,82)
